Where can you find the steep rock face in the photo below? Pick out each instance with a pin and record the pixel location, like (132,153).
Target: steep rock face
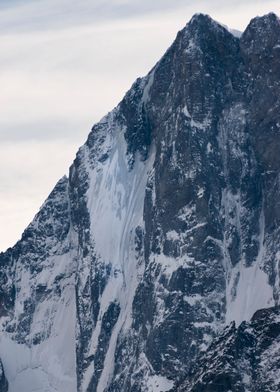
(3,380)
(241,359)
(166,230)
(38,298)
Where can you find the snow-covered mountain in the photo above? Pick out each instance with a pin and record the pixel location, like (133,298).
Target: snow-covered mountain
(241,359)
(166,230)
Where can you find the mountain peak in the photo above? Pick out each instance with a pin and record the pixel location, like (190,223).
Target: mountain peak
(264,24)
(269,18)
(203,30)
(262,33)
(167,229)
(203,23)
(200,17)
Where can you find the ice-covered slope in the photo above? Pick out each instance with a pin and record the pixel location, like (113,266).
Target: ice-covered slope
(166,230)
(37,342)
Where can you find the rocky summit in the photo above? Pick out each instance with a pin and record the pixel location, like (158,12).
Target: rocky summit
(143,268)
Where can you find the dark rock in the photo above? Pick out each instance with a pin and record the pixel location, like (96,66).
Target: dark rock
(167,229)
(241,359)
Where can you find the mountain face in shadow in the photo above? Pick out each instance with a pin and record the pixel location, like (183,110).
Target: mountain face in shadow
(165,232)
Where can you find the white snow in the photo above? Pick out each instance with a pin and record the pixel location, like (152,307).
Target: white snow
(186,111)
(253,292)
(159,384)
(51,365)
(116,202)
(277,271)
(193,299)
(149,80)
(195,227)
(170,264)
(209,148)
(200,192)
(186,212)
(172,235)
(248,289)
(236,33)
(202,125)
(191,46)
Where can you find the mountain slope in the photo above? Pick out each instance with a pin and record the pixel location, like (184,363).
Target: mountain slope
(241,359)
(166,230)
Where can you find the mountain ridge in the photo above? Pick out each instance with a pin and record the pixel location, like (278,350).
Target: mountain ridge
(165,229)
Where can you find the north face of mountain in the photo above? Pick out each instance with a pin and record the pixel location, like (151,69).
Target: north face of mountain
(166,230)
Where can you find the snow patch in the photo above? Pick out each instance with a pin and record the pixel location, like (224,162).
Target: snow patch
(186,212)
(159,384)
(202,125)
(172,235)
(149,82)
(253,292)
(200,192)
(234,32)
(171,264)
(191,46)
(193,299)
(186,112)
(209,148)
(51,365)
(248,289)
(115,202)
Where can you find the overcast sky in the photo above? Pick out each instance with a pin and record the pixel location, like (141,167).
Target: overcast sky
(63,65)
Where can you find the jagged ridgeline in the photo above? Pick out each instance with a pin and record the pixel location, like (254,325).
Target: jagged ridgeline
(166,231)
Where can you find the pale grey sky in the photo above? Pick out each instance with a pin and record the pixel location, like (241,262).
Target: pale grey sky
(63,65)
